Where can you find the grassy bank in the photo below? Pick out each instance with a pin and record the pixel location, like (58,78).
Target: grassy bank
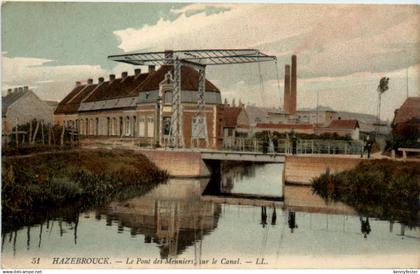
(380,188)
(80,179)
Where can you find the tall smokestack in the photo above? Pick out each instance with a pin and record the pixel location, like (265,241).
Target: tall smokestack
(286,105)
(293,86)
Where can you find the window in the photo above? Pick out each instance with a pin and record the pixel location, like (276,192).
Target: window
(198,127)
(166,123)
(108,126)
(97,126)
(141,126)
(121,126)
(150,126)
(133,126)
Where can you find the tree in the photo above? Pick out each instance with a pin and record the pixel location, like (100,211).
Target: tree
(382,87)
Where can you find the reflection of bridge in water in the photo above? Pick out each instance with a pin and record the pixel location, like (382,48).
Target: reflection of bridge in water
(172,216)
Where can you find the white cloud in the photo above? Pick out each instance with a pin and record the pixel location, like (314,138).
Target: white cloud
(340,48)
(47,80)
(331,39)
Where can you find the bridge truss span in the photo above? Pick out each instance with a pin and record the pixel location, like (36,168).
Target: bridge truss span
(198,59)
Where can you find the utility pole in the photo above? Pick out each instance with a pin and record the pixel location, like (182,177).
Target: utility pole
(406,77)
(317,107)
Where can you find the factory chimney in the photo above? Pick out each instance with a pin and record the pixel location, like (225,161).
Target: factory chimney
(293,85)
(286,105)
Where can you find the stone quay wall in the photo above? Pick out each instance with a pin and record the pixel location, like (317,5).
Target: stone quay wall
(301,169)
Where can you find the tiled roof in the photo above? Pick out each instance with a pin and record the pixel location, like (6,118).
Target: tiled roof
(71,103)
(118,88)
(189,79)
(344,124)
(409,109)
(230,116)
(284,126)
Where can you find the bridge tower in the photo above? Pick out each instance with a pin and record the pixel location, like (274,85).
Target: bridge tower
(199,60)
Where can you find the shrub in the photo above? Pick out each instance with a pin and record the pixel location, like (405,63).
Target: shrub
(380,188)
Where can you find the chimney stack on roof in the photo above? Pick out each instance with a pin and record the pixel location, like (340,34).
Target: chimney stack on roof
(111,77)
(152,68)
(137,71)
(25,88)
(9,91)
(90,81)
(124,75)
(286,103)
(15,90)
(78,83)
(293,86)
(101,80)
(20,89)
(169,54)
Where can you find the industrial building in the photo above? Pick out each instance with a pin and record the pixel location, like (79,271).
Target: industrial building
(138,106)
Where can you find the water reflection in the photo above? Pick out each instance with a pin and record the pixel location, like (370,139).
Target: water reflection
(248,180)
(292,221)
(171,224)
(175,220)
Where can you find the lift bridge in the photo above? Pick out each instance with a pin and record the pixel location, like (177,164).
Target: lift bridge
(197,59)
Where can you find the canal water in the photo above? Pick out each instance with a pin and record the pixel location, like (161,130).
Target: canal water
(178,225)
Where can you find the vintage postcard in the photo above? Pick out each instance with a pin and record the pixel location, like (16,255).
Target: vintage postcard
(210,136)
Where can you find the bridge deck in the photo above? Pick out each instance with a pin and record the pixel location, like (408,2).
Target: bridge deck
(243,156)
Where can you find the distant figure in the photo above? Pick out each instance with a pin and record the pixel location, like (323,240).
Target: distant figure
(368,144)
(274,216)
(263,216)
(265,146)
(365,226)
(292,221)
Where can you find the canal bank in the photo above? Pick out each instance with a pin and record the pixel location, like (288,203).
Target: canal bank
(79,179)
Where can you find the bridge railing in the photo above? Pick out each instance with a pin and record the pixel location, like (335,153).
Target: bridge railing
(303,146)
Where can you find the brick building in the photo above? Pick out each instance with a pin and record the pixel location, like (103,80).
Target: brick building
(342,128)
(139,106)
